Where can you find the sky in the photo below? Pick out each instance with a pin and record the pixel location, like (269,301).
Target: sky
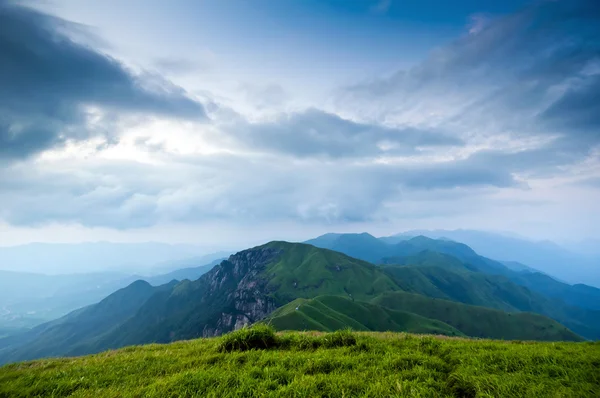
(242,121)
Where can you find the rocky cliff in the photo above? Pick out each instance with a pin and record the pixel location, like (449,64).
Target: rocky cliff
(243,291)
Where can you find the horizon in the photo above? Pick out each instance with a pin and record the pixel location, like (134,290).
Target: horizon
(196,244)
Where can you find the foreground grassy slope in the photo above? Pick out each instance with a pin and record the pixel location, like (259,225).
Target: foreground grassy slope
(331,313)
(477,321)
(316,365)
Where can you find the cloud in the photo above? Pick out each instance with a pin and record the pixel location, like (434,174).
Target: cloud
(470,131)
(533,75)
(315,133)
(190,189)
(54,89)
(578,109)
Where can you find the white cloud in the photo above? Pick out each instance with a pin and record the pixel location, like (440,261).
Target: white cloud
(458,141)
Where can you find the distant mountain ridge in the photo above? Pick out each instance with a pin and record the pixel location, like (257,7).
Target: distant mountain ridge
(575,306)
(546,256)
(29,299)
(245,288)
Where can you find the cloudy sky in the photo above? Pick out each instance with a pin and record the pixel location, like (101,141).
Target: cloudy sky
(240,121)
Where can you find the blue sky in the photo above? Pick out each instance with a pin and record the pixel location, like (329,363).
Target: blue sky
(253,120)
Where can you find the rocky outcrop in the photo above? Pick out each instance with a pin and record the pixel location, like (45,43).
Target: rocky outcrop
(242,290)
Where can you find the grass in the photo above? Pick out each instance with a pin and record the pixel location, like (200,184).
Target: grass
(330,313)
(304,271)
(477,321)
(257,362)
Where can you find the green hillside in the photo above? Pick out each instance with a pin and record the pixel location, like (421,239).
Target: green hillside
(479,321)
(394,250)
(317,365)
(65,335)
(330,313)
(250,285)
(449,280)
(434,275)
(241,290)
(451,270)
(398,311)
(306,271)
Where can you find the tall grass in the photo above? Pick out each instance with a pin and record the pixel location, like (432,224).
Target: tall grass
(262,336)
(256,362)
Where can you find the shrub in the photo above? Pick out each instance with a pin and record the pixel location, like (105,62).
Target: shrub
(257,337)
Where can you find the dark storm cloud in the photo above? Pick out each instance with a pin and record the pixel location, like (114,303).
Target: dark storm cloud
(314,133)
(47,80)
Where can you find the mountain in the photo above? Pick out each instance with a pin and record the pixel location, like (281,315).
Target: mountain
(28,299)
(442,276)
(9,331)
(369,248)
(246,288)
(478,321)
(460,274)
(582,266)
(63,336)
(330,313)
(577,295)
(241,290)
(363,246)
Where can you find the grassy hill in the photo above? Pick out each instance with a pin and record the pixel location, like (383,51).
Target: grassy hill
(331,313)
(451,270)
(442,276)
(433,275)
(30,299)
(245,289)
(399,311)
(305,271)
(479,321)
(239,291)
(66,335)
(317,365)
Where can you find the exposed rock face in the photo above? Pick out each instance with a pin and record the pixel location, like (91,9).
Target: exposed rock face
(244,293)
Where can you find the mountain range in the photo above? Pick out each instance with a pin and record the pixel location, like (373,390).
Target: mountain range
(418,284)
(386,251)
(574,263)
(29,299)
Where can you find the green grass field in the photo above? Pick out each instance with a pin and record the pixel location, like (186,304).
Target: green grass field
(256,362)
